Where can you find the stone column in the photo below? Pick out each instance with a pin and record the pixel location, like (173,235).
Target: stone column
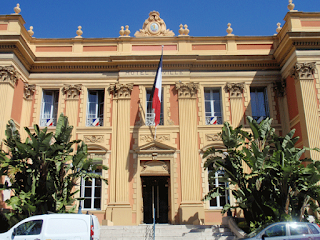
(8,79)
(72,93)
(119,210)
(29,91)
(280,89)
(191,208)
(236,102)
(308,106)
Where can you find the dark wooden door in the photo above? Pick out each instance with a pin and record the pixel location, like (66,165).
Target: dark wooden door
(155,194)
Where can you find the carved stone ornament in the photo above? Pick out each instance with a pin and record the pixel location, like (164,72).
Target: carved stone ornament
(187,90)
(8,74)
(280,87)
(154,26)
(29,91)
(121,90)
(72,91)
(93,139)
(213,137)
(304,70)
(235,89)
(155,147)
(159,138)
(155,168)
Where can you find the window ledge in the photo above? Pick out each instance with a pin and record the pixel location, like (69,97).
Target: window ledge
(215,209)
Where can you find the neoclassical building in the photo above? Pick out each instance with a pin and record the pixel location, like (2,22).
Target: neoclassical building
(103,86)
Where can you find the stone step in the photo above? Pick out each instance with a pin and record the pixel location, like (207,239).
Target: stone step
(165,231)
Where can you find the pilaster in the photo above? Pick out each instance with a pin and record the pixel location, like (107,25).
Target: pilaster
(280,89)
(8,79)
(191,208)
(307,105)
(28,96)
(72,94)
(119,205)
(236,101)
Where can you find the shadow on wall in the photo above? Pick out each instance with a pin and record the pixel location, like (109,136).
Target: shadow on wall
(193,220)
(4,226)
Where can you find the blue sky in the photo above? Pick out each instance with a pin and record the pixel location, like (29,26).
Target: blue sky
(103,19)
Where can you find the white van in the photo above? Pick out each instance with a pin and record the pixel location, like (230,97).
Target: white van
(55,226)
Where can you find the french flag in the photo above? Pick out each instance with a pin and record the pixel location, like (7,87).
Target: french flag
(213,120)
(156,93)
(95,122)
(49,123)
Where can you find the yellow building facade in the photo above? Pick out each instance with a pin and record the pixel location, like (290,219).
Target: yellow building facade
(103,86)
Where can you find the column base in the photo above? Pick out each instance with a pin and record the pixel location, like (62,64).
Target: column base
(119,214)
(191,213)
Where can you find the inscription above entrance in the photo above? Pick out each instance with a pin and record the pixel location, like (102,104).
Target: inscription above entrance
(152,73)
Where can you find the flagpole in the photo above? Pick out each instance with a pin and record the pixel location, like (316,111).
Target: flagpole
(155,129)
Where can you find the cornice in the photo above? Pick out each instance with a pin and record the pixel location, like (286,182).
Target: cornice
(18,45)
(13,17)
(138,40)
(296,41)
(170,62)
(302,15)
(209,66)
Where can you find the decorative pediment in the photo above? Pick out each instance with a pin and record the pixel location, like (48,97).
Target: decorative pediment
(217,146)
(96,149)
(155,147)
(154,26)
(155,168)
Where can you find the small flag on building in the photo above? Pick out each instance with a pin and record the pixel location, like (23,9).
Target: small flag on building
(156,93)
(213,120)
(49,122)
(95,122)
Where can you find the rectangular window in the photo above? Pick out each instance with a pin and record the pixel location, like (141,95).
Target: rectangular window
(149,113)
(221,200)
(259,103)
(91,192)
(95,108)
(49,108)
(212,102)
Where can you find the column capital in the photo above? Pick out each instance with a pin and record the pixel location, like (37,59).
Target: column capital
(72,91)
(235,89)
(8,74)
(280,87)
(29,91)
(121,91)
(304,71)
(187,90)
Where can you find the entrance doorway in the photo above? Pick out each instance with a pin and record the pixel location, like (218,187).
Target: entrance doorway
(155,194)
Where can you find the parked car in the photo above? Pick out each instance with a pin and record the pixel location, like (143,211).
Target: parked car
(286,231)
(55,226)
